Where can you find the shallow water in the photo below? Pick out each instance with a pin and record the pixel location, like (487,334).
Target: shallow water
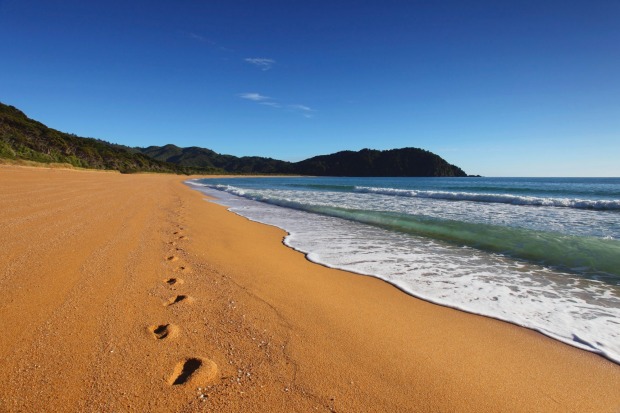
(541,253)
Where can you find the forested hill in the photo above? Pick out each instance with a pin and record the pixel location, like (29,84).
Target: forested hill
(22,138)
(368,162)
(206,158)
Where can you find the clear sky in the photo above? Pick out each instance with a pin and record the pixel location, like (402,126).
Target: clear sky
(499,88)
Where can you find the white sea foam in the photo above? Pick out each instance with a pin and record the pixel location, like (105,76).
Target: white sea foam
(569,221)
(194,182)
(580,312)
(496,198)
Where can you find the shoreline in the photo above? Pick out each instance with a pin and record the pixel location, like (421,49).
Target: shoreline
(103,264)
(582,345)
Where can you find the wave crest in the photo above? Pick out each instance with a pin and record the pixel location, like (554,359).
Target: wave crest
(610,205)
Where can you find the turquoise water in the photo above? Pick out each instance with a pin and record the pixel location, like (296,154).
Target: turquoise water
(543,252)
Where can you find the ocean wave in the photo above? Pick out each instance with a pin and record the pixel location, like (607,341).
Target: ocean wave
(601,204)
(323,187)
(572,309)
(534,190)
(228,188)
(194,183)
(593,258)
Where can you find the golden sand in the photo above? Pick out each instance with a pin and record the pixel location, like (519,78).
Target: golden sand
(130,293)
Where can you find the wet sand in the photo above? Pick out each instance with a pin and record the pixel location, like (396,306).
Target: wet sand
(131,293)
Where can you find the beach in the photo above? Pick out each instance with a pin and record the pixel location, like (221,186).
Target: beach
(132,293)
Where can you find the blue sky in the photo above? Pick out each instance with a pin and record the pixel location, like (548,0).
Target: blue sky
(499,88)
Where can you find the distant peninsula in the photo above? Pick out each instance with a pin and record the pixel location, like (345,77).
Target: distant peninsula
(24,139)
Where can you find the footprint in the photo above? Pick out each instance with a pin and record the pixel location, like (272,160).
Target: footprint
(164,331)
(195,370)
(177,299)
(172,258)
(182,237)
(173,281)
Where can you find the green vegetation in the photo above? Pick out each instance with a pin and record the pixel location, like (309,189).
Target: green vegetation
(205,158)
(369,162)
(24,139)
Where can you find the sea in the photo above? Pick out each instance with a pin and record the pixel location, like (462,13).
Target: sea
(542,253)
